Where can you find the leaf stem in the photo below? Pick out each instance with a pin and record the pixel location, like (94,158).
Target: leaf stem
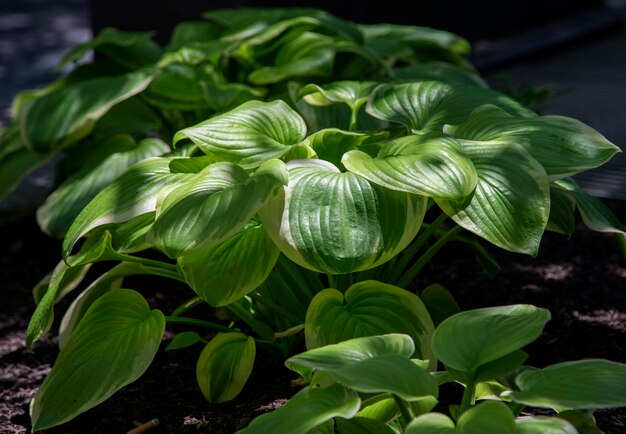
(412,272)
(409,254)
(405,410)
(199,323)
(189,304)
(146,261)
(469,395)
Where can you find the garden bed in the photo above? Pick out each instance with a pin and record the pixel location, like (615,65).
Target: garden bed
(581,281)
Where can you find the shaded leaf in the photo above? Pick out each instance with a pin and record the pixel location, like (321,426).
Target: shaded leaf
(225,365)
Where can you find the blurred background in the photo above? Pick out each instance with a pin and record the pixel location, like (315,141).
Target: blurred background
(573,50)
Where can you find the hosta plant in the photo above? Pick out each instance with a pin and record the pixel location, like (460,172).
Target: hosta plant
(300,218)
(375,385)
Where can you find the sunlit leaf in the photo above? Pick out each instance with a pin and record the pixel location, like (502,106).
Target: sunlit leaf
(429,105)
(337,222)
(248,135)
(510,206)
(112,346)
(60,209)
(132,194)
(368,308)
(213,205)
(564,146)
(487,418)
(225,365)
(233,268)
(433,166)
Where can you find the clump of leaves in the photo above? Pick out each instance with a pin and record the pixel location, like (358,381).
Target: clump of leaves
(374,384)
(301,214)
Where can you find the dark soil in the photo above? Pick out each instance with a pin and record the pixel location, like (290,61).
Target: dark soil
(581,281)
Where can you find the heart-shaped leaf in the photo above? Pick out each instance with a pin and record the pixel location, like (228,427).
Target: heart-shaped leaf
(213,205)
(233,268)
(307,409)
(510,206)
(433,166)
(68,114)
(564,146)
(336,222)
(470,339)
(487,418)
(368,308)
(582,384)
(225,365)
(429,105)
(112,346)
(249,135)
(60,209)
(543,425)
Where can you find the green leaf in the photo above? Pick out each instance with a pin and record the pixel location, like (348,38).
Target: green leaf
(439,302)
(562,208)
(132,194)
(564,146)
(331,144)
(438,71)
(543,425)
(583,421)
(352,93)
(107,282)
(225,365)
(361,425)
(60,209)
(68,114)
(130,49)
(510,206)
(487,418)
(490,417)
(368,308)
(233,268)
(471,339)
(426,165)
(249,135)
(112,346)
(349,351)
(132,116)
(307,55)
(62,280)
(582,384)
(336,222)
(190,32)
(595,214)
(15,165)
(501,367)
(431,423)
(214,205)
(429,105)
(381,407)
(183,340)
(222,97)
(178,87)
(307,409)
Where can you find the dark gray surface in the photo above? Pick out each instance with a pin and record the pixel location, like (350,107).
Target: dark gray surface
(588,77)
(34,35)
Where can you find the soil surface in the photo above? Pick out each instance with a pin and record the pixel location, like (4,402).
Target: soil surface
(582,281)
